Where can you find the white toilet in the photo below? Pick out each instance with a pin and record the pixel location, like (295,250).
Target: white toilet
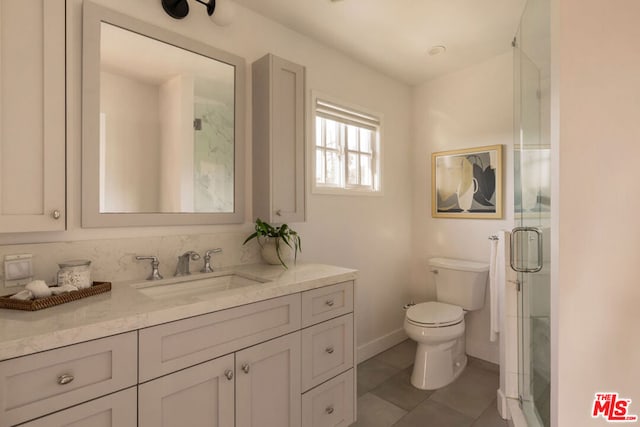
(438,327)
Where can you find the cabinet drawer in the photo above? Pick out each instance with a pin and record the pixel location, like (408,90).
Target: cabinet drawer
(326,303)
(330,404)
(35,385)
(177,345)
(114,410)
(327,350)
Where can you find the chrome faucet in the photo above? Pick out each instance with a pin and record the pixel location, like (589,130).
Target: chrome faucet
(207,260)
(182,269)
(155,274)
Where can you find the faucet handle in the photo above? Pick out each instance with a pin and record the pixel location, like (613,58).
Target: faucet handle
(207,260)
(208,253)
(155,273)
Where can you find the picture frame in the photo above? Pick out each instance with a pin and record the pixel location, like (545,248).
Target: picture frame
(467,183)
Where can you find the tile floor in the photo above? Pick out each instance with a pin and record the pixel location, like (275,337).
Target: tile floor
(386,397)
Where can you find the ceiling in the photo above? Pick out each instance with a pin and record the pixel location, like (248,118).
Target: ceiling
(394,36)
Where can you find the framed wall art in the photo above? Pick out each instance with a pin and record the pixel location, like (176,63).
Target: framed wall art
(467,183)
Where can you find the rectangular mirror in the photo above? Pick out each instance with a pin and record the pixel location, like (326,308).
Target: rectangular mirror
(163,128)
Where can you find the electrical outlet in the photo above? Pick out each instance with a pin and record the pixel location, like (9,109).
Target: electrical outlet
(18,270)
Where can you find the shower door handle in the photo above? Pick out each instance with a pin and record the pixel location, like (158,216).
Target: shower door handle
(517,263)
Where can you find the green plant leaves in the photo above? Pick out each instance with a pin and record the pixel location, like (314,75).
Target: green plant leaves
(282,232)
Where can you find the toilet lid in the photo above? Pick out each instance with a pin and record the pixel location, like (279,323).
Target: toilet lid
(435,314)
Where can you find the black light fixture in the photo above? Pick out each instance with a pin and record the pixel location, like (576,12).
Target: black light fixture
(178,9)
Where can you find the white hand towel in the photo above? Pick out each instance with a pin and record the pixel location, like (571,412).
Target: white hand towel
(23,295)
(39,288)
(496,282)
(57,290)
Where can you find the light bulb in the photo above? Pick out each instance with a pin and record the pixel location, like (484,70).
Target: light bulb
(224,12)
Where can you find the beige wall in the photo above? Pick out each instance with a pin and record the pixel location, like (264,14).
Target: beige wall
(469,108)
(371,234)
(596,288)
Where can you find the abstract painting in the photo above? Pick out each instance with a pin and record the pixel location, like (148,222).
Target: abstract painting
(467,183)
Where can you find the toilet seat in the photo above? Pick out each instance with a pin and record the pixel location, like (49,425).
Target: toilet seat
(434,314)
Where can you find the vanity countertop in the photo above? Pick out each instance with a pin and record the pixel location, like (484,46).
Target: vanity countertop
(126,308)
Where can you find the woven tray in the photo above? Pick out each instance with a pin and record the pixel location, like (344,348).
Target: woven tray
(40,303)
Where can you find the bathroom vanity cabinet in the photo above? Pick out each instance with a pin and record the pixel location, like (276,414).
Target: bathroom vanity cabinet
(32,115)
(284,361)
(278,140)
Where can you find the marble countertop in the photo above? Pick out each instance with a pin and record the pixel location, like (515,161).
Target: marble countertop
(126,308)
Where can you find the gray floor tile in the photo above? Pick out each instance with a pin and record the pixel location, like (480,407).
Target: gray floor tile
(372,373)
(471,393)
(376,412)
(483,364)
(384,384)
(490,418)
(401,356)
(399,391)
(434,414)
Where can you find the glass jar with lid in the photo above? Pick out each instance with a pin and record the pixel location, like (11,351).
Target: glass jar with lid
(75,272)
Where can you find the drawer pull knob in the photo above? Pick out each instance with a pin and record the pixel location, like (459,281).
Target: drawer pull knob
(55,214)
(330,302)
(329,349)
(245,368)
(329,409)
(229,374)
(65,379)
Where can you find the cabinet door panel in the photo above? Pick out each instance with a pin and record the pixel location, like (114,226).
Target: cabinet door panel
(201,396)
(32,115)
(114,410)
(268,384)
(278,140)
(287,139)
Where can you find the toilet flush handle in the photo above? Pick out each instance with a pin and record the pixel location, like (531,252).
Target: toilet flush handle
(434,271)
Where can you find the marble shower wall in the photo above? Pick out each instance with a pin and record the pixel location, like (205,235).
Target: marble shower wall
(114,259)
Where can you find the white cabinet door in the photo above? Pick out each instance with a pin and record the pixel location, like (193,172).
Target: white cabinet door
(278,140)
(32,115)
(268,384)
(114,410)
(200,396)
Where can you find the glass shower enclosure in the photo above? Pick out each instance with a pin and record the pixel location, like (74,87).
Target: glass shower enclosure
(532,175)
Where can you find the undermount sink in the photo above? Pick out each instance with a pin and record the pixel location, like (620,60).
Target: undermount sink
(188,286)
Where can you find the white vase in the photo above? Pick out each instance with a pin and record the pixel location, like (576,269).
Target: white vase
(465,195)
(270,255)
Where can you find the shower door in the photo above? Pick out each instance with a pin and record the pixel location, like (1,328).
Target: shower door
(530,239)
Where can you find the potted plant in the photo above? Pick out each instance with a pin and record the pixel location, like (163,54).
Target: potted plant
(273,249)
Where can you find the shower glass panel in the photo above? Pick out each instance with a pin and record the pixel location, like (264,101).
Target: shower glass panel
(213,157)
(533,206)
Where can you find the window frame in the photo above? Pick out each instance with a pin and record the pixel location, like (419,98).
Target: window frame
(377,153)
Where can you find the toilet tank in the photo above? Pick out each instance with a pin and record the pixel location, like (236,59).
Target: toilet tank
(460,282)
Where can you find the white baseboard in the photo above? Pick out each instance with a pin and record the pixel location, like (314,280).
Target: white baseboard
(380,344)
(502,405)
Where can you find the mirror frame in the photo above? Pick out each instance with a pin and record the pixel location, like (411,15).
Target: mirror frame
(93,16)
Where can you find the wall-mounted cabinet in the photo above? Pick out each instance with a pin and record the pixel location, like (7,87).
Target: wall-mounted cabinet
(278,140)
(32,115)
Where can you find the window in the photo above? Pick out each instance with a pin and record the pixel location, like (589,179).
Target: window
(347,149)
